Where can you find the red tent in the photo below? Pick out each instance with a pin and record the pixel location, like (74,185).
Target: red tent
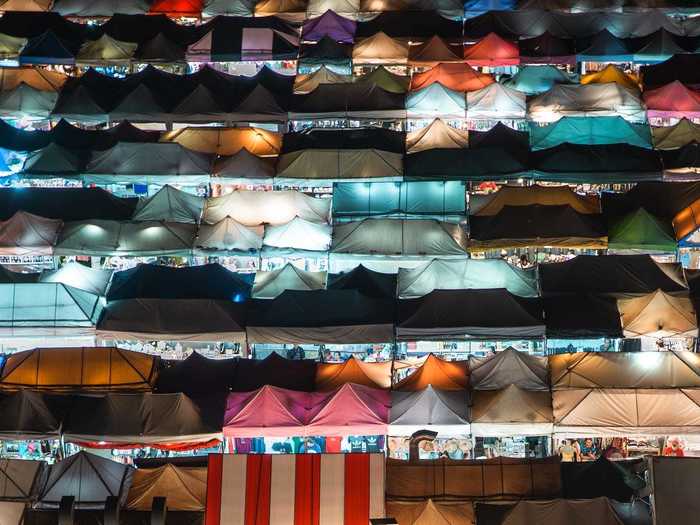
(458,77)
(672,100)
(492,50)
(177,8)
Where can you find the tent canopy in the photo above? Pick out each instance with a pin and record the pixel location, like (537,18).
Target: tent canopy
(28,234)
(329,24)
(28,415)
(332,375)
(508,367)
(582,315)
(534,80)
(640,230)
(434,51)
(436,135)
(658,314)
(455,76)
(445,411)
(492,50)
(274,370)
(496,101)
(435,100)
(684,132)
(79,276)
(429,511)
(18,479)
(493,203)
(299,234)
(442,374)
(379,48)
(511,410)
(612,74)
(226,141)
(365,281)
(673,100)
(184,487)
(554,512)
(590,130)
(196,375)
(171,205)
(270,284)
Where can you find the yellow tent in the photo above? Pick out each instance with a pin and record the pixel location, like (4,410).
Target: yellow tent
(37,78)
(184,487)
(612,73)
(227,141)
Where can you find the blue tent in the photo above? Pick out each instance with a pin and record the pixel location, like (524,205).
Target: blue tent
(590,130)
(474,8)
(603,47)
(533,80)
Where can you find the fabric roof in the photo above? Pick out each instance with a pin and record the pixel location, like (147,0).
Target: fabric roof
(582,315)
(170,204)
(464,274)
(440,373)
(184,487)
(534,80)
(496,101)
(511,410)
(196,375)
(37,78)
(429,511)
(174,8)
(332,375)
(658,314)
(226,141)
(604,46)
(681,67)
(243,167)
(436,100)
(102,8)
(493,203)
(27,414)
(612,73)
(434,51)
(559,512)
(269,411)
(274,370)
(228,7)
(18,479)
(437,135)
(547,48)
(88,478)
(331,24)
(25,101)
(417,25)
(380,49)
(306,83)
(672,100)
(228,235)
(28,234)
(79,369)
(270,284)
(105,50)
(299,234)
(363,100)
(492,50)
(510,366)
(457,77)
(590,130)
(683,132)
(386,80)
(641,231)
(444,411)
(79,276)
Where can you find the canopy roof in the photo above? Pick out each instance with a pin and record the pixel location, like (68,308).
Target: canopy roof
(436,100)
(332,375)
(363,100)
(329,24)
(683,132)
(18,479)
(604,46)
(170,204)
(640,230)
(446,411)
(79,276)
(609,74)
(244,167)
(590,130)
(547,48)
(511,410)
(672,100)
(299,234)
(27,102)
(457,77)
(228,235)
(437,135)
(184,487)
(101,8)
(434,51)
(386,80)
(417,25)
(27,234)
(365,281)
(509,367)
(429,511)
(37,78)
(270,284)
(492,50)
(197,375)
(79,369)
(226,141)
(463,274)
(494,203)
(555,512)
(380,49)
(172,320)
(582,315)
(534,80)
(658,314)
(28,414)
(326,51)
(306,83)
(682,67)
(274,370)
(496,101)
(441,374)
(88,478)
(105,50)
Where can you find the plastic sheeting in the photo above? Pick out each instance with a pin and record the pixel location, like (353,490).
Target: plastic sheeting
(509,367)
(374,375)
(658,314)
(442,374)
(184,487)
(511,411)
(171,205)
(590,130)
(437,135)
(442,411)
(270,284)
(26,234)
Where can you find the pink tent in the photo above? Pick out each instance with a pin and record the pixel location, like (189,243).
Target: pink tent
(352,410)
(672,100)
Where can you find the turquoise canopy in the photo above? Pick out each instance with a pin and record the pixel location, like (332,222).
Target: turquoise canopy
(533,80)
(590,130)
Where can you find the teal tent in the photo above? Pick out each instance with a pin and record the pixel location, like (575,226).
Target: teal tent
(533,80)
(590,130)
(436,101)
(640,230)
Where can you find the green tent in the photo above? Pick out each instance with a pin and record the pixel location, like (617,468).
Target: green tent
(640,230)
(590,130)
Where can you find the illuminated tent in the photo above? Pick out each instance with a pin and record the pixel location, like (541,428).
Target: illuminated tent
(177,8)
(640,230)
(386,80)
(436,101)
(380,49)
(582,315)
(534,80)
(137,239)
(493,203)
(612,74)
(25,5)
(626,411)
(299,234)
(274,370)
(27,415)
(417,26)
(29,92)
(590,130)
(101,8)
(79,276)
(253,208)
(496,102)
(605,47)
(332,375)
(634,274)
(465,274)
(226,141)
(685,224)
(105,50)
(448,8)
(141,419)
(281,7)
(443,411)
(625,370)
(90,479)
(170,204)
(658,314)
(593,100)
(554,512)
(456,76)
(436,135)
(511,411)
(321,317)
(243,167)
(509,367)
(671,137)
(350,410)
(184,487)
(429,511)
(348,8)
(673,100)
(208,281)
(491,51)
(173,320)
(79,370)
(329,24)
(212,8)
(18,478)
(361,100)
(228,235)
(547,48)
(438,373)
(11,46)
(433,52)
(306,83)
(270,284)
(269,411)
(27,234)
(68,204)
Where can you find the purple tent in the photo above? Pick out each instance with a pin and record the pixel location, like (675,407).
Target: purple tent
(329,24)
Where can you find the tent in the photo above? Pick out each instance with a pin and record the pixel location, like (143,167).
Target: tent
(196,376)
(604,47)
(672,484)
(380,49)
(105,50)
(509,367)
(495,102)
(79,276)
(660,46)
(228,235)
(160,49)
(683,132)
(270,284)
(212,8)
(547,48)
(268,411)
(184,487)
(39,79)
(682,67)
(436,100)
(357,100)
(417,26)
(27,415)
(682,163)
(348,8)
(208,281)
(173,320)
(581,100)
(464,314)
(626,412)
(330,24)
(19,479)
(616,480)
(535,80)
(429,511)
(327,52)
(158,420)
(90,479)
(492,50)
(27,234)
(443,411)
(365,281)
(386,80)
(454,76)
(49,48)
(226,141)
(685,224)
(274,370)
(590,130)
(511,411)
(27,102)
(638,274)
(299,234)
(281,7)
(625,370)
(465,274)
(612,74)
(25,5)
(658,314)
(252,208)
(437,135)
(178,8)
(306,83)
(434,51)
(440,373)
(103,8)
(53,161)
(171,205)
(640,230)
(243,168)
(321,317)
(582,315)
(95,369)
(371,374)
(672,100)
(554,512)
(493,203)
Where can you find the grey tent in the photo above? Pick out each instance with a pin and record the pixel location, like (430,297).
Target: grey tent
(79,276)
(229,235)
(28,234)
(99,8)
(88,478)
(270,284)
(171,205)
(443,411)
(243,166)
(26,101)
(511,411)
(53,161)
(20,479)
(509,367)
(673,483)
(27,415)
(553,512)
(228,7)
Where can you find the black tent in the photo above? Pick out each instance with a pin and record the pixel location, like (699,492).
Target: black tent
(417,25)
(684,67)
(49,48)
(275,370)
(355,138)
(365,281)
(341,100)
(139,28)
(601,478)
(31,415)
(582,315)
(197,375)
(15,139)
(209,281)
(73,137)
(684,159)
(662,199)
(547,49)
(325,51)
(512,25)
(482,163)
(502,136)
(33,24)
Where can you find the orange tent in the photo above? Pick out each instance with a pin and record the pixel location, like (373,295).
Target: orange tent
(37,78)
(612,73)
(333,375)
(441,374)
(492,50)
(458,77)
(687,221)
(227,141)
(177,8)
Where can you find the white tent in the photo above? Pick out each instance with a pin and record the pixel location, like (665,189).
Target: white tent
(27,234)
(229,235)
(436,101)
(79,276)
(494,102)
(299,234)
(269,285)
(171,205)
(380,49)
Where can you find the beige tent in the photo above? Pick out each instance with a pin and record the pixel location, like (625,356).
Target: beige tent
(431,512)
(676,136)
(269,285)
(27,234)
(184,487)
(493,203)
(438,134)
(658,314)
(626,411)
(511,411)
(380,49)
(229,235)
(563,512)
(304,84)
(106,50)
(509,367)
(26,5)
(625,370)
(253,208)
(11,512)
(226,141)
(18,480)
(37,78)
(299,234)
(333,375)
